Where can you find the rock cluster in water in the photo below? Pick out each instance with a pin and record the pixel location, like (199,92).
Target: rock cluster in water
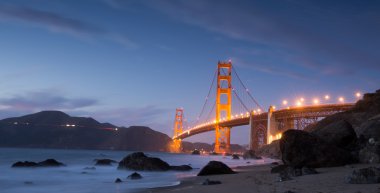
(46,163)
(139,161)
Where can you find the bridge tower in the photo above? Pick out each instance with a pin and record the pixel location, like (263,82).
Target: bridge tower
(223,107)
(178,128)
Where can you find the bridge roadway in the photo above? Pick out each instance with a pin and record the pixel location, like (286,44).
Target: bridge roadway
(303,112)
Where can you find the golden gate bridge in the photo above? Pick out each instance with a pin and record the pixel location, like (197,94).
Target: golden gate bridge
(220,115)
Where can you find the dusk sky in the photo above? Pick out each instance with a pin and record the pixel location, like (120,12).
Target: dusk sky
(133,62)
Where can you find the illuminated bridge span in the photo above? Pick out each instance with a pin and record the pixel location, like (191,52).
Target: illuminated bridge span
(264,126)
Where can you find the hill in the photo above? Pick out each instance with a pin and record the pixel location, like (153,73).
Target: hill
(55,129)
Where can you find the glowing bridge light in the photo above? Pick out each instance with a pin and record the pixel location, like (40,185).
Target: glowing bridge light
(316,101)
(284,102)
(327,97)
(358,94)
(274,107)
(341,99)
(298,103)
(302,99)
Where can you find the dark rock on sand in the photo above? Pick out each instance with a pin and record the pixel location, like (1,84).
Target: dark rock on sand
(181,168)
(211,182)
(340,133)
(134,176)
(104,162)
(300,148)
(370,153)
(215,168)
(369,175)
(118,180)
(139,161)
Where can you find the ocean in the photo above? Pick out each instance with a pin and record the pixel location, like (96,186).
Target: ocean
(74,179)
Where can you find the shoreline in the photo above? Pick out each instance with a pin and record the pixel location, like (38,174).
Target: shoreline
(257,178)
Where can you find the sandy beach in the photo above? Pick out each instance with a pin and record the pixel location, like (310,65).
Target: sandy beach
(258,179)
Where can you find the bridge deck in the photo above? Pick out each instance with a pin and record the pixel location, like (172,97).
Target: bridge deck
(291,113)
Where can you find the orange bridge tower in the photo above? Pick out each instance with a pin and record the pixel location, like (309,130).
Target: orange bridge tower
(223,107)
(178,129)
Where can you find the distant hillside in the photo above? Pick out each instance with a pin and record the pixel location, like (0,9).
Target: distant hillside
(55,129)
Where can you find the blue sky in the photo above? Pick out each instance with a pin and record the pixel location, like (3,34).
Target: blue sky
(133,62)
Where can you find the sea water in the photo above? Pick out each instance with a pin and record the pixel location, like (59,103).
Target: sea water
(73,178)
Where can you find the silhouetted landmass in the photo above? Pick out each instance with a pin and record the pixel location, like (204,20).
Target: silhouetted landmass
(55,129)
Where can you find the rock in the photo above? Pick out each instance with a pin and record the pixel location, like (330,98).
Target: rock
(134,176)
(89,168)
(278,169)
(371,128)
(213,153)
(50,163)
(284,176)
(274,163)
(118,180)
(28,183)
(104,162)
(215,168)
(289,191)
(46,163)
(24,164)
(235,156)
(370,153)
(271,150)
(211,182)
(139,161)
(250,154)
(340,133)
(300,148)
(181,168)
(308,171)
(369,175)
(196,152)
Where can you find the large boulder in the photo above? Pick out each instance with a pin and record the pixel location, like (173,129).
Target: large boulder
(369,175)
(215,168)
(340,133)
(370,152)
(300,148)
(139,161)
(24,164)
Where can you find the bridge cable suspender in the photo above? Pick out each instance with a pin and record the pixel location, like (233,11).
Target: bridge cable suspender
(246,89)
(207,97)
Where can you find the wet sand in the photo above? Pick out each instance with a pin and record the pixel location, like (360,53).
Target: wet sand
(258,179)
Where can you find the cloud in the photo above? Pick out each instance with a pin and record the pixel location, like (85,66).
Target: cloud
(61,24)
(146,115)
(43,100)
(333,39)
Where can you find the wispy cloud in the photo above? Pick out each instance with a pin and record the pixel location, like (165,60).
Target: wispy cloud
(43,100)
(323,36)
(59,23)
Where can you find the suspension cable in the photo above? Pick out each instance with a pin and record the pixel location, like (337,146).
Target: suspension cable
(207,97)
(246,89)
